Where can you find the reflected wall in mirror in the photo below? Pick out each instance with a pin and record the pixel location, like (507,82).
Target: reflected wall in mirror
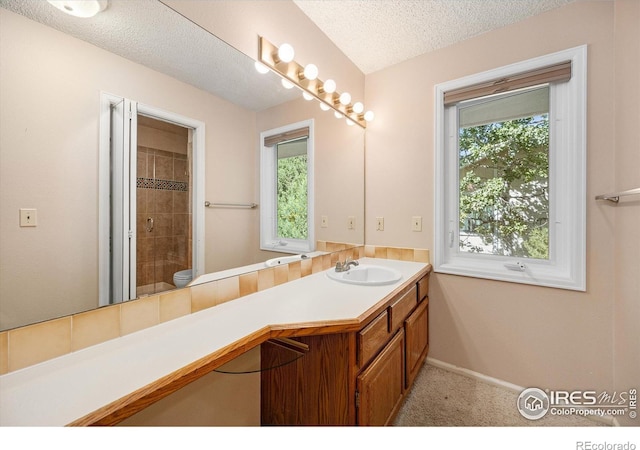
(52,78)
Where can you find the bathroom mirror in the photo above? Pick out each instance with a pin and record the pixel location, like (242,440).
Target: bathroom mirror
(53,71)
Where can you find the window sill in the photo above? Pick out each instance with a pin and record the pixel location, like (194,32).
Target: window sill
(293,248)
(537,273)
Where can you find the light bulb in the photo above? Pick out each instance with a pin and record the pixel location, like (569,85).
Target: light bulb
(286,83)
(358,108)
(324,106)
(345,98)
(307,96)
(261,68)
(350,122)
(310,72)
(368,116)
(337,115)
(286,53)
(80,8)
(329,86)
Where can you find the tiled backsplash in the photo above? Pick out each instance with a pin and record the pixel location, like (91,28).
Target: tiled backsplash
(32,344)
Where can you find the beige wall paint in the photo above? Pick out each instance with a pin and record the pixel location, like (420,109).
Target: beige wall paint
(50,92)
(240,23)
(339,167)
(529,336)
(526,335)
(216,399)
(627,214)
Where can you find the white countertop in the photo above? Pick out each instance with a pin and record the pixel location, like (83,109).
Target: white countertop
(64,389)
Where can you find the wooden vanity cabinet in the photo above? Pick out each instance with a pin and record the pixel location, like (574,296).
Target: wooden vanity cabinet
(417,341)
(354,378)
(311,390)
(381,386)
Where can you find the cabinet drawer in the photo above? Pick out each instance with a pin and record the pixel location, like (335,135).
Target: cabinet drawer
(372,338)
(423,288)
(401,308)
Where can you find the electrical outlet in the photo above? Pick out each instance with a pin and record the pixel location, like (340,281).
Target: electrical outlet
(416,223)
(28,217)
(324,222)
(379,223)
(351,223)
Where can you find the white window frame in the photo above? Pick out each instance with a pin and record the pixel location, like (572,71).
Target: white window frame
(269,239)
(566,266)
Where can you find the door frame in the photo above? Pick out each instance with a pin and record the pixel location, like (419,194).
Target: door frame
(104,184)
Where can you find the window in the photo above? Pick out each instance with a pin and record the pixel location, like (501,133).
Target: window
(286,215)
(511,173)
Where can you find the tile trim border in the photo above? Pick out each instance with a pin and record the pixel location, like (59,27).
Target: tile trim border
(22,347)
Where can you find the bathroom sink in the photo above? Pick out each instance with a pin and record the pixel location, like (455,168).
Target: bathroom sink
(368,275)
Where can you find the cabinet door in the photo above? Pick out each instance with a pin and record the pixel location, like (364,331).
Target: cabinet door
(381,385)
(417,330)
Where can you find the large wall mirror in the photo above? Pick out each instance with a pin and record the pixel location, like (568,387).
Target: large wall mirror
(54,71)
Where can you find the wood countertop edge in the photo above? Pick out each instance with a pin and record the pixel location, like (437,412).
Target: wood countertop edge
(115,412)
(380,306)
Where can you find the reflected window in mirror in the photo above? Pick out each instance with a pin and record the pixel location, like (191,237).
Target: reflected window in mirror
(286,189)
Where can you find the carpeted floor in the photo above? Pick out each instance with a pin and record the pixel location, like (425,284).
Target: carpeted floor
(442,398)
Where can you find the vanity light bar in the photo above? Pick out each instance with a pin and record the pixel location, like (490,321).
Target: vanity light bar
(290,71)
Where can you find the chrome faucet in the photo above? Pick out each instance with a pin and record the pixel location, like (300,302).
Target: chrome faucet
(344,267)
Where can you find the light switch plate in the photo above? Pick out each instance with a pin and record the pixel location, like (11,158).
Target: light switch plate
(351,223)
(324,222)
(28,217)
(416,223)
(379,223)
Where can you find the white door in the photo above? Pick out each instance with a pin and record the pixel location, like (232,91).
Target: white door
(117,196)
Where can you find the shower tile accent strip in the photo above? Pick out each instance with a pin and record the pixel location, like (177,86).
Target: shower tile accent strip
(164,185)
(32,344)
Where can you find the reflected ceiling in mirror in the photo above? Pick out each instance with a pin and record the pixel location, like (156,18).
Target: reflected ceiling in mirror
(137,30)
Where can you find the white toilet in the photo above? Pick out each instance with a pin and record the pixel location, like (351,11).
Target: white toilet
(182,278)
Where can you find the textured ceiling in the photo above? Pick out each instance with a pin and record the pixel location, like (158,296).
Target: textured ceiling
(375,34)
(152,34)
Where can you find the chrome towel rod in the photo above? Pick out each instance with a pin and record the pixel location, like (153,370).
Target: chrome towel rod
(615,197)
(231,205)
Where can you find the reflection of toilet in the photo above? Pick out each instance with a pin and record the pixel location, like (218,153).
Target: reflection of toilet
(182,278)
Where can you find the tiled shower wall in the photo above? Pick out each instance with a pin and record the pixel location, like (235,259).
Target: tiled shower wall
(163,195)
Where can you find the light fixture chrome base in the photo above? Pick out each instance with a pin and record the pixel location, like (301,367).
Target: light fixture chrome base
(290,71)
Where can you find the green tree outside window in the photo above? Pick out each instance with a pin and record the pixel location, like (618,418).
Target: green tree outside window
(504,188)
(292,197)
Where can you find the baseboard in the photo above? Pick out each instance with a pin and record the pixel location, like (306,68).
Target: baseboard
(608,420)
(476,375)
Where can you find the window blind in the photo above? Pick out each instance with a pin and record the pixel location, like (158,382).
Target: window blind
(513,105)
(554,73)
(270,141)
